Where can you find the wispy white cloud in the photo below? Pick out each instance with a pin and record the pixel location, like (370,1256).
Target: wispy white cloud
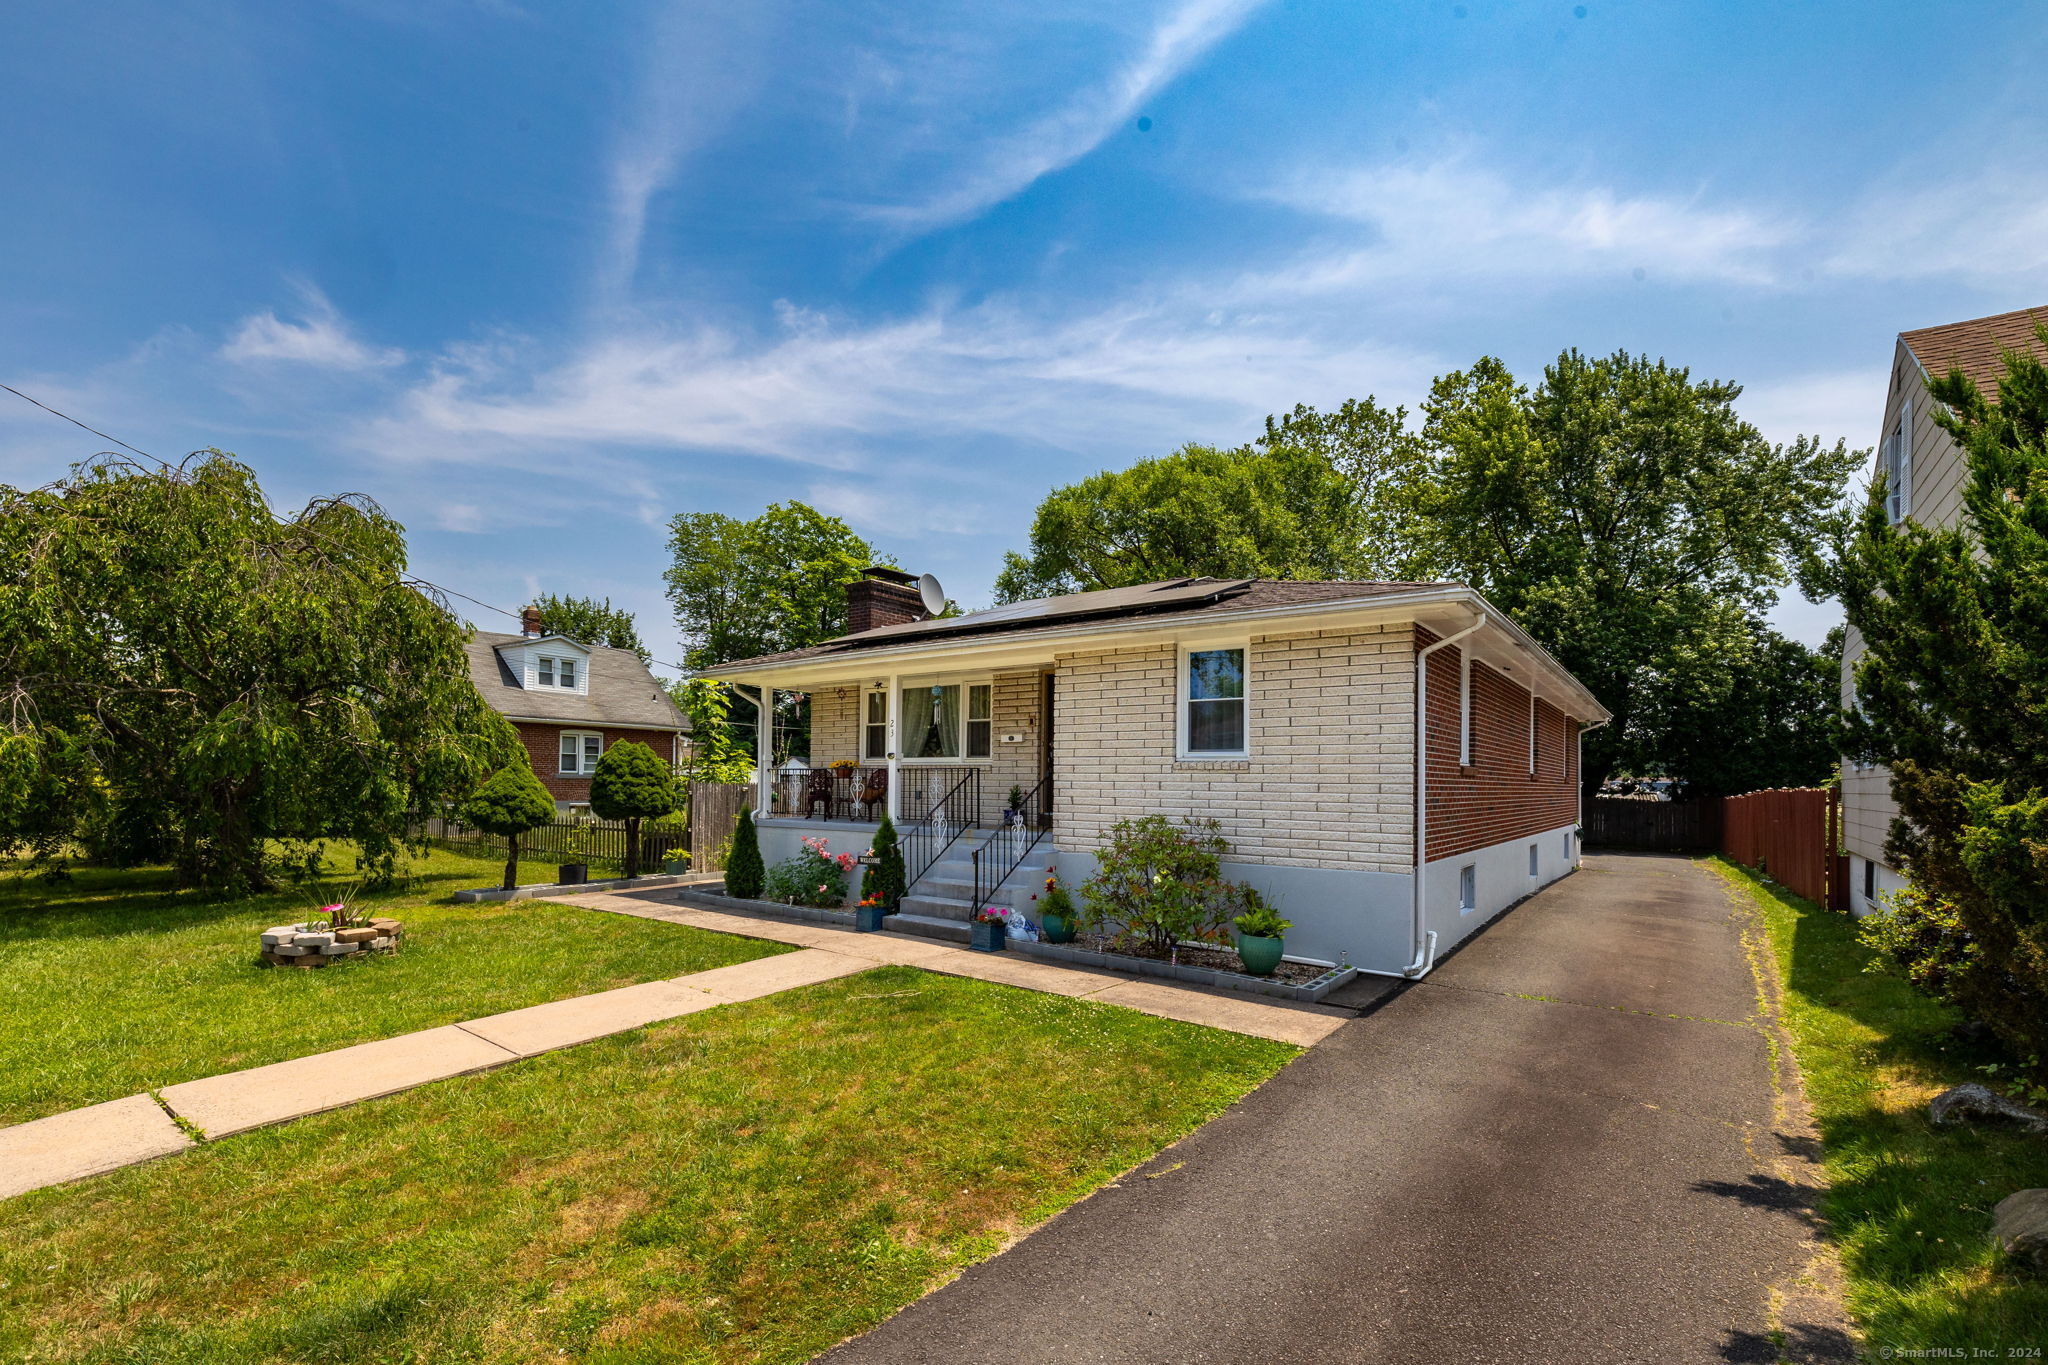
(318,337)
(1010,163)
(1450,221)
(1990,230)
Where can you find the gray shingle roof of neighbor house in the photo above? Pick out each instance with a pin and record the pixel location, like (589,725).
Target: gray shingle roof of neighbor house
(1977,346)
(1177,597)
(621,690)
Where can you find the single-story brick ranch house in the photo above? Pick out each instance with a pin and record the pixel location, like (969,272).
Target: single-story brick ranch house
(1292,713)
(570,702)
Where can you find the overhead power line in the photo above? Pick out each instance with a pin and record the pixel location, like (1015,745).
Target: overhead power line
(80,425)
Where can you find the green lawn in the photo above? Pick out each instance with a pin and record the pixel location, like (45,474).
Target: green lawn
(1909,1204)
(113,983)
(751,1183)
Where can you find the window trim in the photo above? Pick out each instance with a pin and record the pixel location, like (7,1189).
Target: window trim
(1898,465)
(1468,888)
(1464,709)
(964,682)
(1532,734)
(550,680)
(582,751)
(1181,752)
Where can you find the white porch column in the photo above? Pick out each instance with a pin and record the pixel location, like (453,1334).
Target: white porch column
(764,747)
(895,709)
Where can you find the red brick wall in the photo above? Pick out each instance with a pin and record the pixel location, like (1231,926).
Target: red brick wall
(1495,799)
(544,747)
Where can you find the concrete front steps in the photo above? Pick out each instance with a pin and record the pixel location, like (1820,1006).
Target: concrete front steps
(944,895)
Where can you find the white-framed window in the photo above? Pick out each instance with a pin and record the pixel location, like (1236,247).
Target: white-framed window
(555,670)
(580,750)
(1468,888)
(1464,709)
(942,722)
(1214,692)
(875,726)
(1532,734)
(1898,465)
(1532,860)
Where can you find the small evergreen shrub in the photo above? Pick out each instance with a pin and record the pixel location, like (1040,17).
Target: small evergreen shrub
(632,784)
(511,802)
(885,882)
(743,870)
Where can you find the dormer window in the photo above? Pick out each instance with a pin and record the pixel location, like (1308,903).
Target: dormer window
(555,671)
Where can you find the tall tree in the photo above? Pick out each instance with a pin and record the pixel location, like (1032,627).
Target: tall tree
(1952,694)
(632,783)
(1295,505)
(220,677)
(1623,514)
(591,621)
(776,582)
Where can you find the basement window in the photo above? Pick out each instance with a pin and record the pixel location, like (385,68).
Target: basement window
(1468,888)
(1532,860)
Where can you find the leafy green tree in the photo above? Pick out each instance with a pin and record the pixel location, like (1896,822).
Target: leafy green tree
(591,621)
(219,677)
(718,753)
(888,877)
(510,802)
(1952,694)
(1364,531)
(744,872)
(777,582)
(1281,512)
(632,783)
(1625,516)
(1738,708)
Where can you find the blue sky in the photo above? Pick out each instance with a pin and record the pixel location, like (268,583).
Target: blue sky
(539,277)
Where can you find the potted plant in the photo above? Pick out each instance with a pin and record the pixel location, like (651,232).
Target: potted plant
(867,916)
(1013,814)
(1057,917)
(676,862)
(991,927)
(1260,933)
(575,870)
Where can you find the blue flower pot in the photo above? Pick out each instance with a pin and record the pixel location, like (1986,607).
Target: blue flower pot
(987,938)
(868,918)
(1261,955)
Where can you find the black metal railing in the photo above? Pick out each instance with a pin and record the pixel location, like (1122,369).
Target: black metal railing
(599,843)
(940,806)
(1024,826)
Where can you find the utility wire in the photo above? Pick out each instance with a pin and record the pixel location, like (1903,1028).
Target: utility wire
(82,426)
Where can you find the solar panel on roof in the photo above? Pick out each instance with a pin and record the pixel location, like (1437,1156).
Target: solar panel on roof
(1174,592)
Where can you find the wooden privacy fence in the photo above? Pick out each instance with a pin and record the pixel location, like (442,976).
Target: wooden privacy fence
(714,809)
(1789,834)
(1653,826)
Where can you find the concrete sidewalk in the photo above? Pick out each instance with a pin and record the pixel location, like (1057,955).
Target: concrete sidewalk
(104,1137)
(1565,1144)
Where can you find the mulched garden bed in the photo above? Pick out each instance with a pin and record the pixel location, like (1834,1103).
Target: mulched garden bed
(1215,959)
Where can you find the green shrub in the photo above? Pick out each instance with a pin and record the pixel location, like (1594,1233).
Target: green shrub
(632,784)
(1162,882)
(743,870)
(886,880)
(813,877)
(511,802)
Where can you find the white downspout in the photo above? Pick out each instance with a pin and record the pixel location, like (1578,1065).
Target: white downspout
(1424,941)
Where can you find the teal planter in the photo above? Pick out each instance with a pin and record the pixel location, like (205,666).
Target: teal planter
(676,867)
(1261,955)
(868,918)
(1056,928)
(987,938)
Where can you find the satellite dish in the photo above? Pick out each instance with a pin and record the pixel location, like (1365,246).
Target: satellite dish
(934,596)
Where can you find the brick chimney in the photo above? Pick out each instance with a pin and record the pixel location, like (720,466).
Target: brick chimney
(529,622)
(882,596)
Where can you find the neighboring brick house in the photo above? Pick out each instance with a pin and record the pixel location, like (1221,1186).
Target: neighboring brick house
(571,701)
(1924,476)
(1288,712)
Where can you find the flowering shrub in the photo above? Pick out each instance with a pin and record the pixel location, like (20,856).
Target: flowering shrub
(816,877)
(1163,882)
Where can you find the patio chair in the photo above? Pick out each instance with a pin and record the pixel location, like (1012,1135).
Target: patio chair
(820,785)
(874,791)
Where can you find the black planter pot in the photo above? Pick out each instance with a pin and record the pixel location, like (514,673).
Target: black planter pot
(987,938)
(572,874)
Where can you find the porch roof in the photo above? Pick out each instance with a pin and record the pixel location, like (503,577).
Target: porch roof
(1186,611)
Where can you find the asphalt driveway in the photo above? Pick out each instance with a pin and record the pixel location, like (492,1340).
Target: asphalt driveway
(1563,1145)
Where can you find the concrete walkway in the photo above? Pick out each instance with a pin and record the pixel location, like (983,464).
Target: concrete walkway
(104,1137)
(1565,1144)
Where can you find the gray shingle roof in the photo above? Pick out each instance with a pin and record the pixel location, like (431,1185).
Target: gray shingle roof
(1254,595)
(621,690)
